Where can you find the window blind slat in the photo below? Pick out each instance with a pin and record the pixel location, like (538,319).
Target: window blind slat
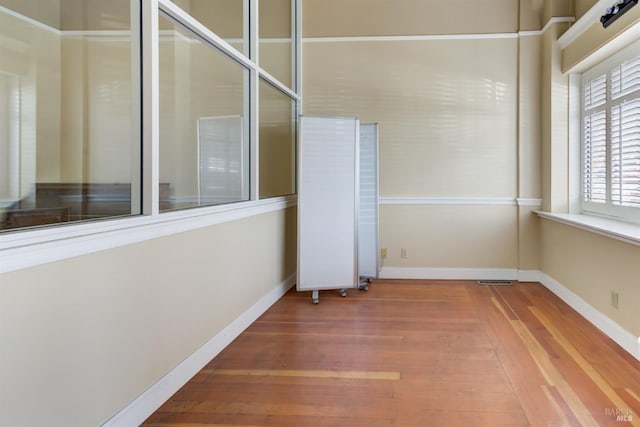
(595,158)
(611,138)
(625,153)
(595,92)
(625,78)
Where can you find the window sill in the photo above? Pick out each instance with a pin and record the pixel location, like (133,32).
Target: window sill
(28,248)
(619,230)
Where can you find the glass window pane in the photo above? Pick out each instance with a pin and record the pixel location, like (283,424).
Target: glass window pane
(277,142)
(226,18)
(276,39)
(204,138)
(69,111)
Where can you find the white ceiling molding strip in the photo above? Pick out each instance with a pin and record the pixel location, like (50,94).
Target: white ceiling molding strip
(550,22)
(446,201)
(432,37)
(529,202)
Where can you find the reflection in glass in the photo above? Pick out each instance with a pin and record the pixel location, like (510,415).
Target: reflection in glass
(69,111)
(204,139)
(277,142)
(276,39)
(226,18)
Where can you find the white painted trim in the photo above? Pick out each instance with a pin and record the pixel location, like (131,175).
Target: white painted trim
(619,335)
(550,22)
(619,230)
(449,273)
(435,37)
(254,99)
(603,53)
(120,34)
(528,276)
(587,20)
(275,40)
(431,37)
(150,173)
(204,33)
(445,201)
(149,401)
(25,249)
(264,75)
(622,337)
(528,202)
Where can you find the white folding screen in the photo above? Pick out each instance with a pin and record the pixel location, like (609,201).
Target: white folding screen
(328,187)
(368,247)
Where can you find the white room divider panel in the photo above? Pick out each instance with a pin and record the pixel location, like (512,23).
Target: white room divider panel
(368,246)
(328,187)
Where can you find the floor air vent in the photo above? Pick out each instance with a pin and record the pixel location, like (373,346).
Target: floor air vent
(495,282)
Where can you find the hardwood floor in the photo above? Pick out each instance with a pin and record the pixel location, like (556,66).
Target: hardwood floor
(415,353)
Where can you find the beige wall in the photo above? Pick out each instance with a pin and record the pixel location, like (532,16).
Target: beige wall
(529,147)
(448,111)
(556,8)
(447,121)
(583,6)
(592,266)
(337,18)
(555,130)
(529,150)
(277,143)
(224,17)
(94,14)
(480,118)
(46,12)
(588,264)
(84,337)
(445,236)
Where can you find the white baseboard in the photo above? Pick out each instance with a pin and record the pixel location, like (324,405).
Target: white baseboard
(622,337)
(149,401)
(529,275)
(449,273)
(610,328)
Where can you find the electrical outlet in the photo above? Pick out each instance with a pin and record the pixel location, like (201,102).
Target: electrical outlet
(383,252)
(403,253)
(614,299)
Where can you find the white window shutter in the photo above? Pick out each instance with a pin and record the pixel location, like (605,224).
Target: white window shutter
(625,154)
(595,158)
(611,137)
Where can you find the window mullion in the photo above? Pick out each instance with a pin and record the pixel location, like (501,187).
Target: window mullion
(150,109)
(254,96)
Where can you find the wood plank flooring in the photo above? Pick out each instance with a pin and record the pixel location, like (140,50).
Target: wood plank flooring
(415,353)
